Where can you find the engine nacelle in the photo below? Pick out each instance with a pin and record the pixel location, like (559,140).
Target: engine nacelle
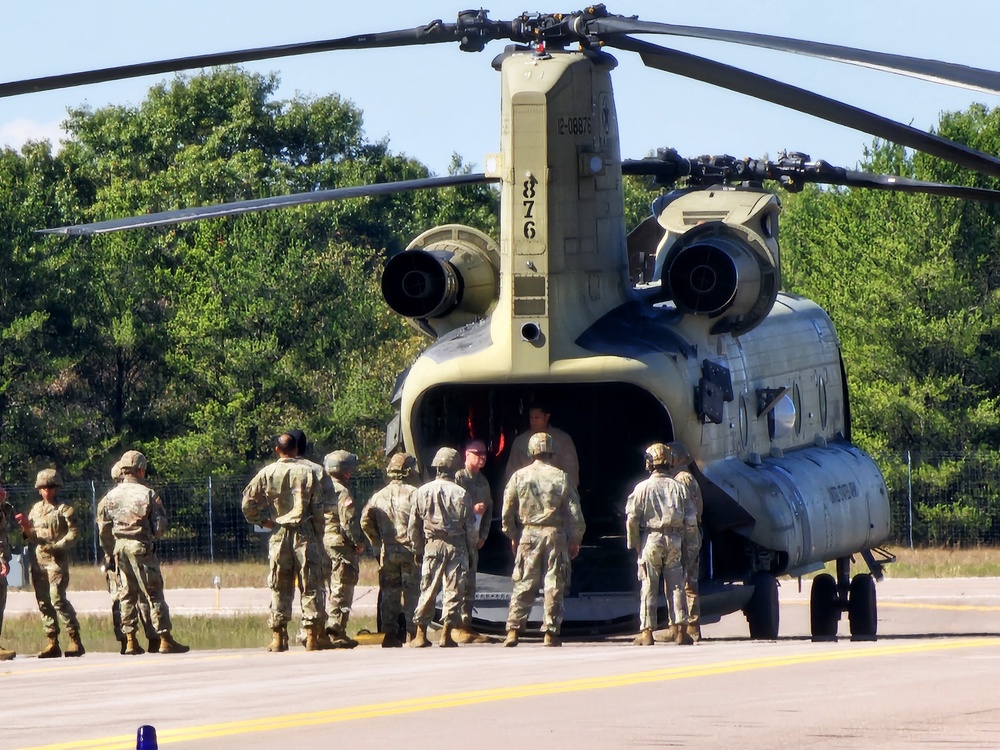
(446,277)
(719,256)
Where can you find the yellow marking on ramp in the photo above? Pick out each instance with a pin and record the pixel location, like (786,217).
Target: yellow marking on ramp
(452,700)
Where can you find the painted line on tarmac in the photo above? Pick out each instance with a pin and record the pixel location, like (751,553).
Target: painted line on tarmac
(453,700)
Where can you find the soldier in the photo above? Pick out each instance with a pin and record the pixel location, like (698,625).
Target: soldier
(691,547)
(441,530)
(542,518)
(6,515)
(657,518)
(130,518)
(286,496)
(342,541)
(564,451)
(141,606)
(480,499)
(50,529)
(384,521)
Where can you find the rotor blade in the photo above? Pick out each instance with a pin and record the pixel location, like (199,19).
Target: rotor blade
(767,89)
(906,185)
(951,74)
(166,218)
(432,33)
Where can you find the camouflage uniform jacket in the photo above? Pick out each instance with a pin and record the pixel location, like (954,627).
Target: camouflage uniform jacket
(6,515)
(658,503)
(440,511)
(564,456)
(341,525)
(686,478)
(478,489)
(131,510)
(286,492)
(53,526)
(542,495)
(324,479)
(387,515)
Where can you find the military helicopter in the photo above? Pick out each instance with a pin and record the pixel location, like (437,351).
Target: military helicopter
(675,331)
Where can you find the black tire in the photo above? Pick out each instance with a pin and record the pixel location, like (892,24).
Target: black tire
(824,611)
(862,608)
(762,609)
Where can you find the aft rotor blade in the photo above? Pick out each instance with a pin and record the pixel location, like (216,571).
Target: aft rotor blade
(801,100)
(166,218)
(431,33)
(952,74)
(906,185)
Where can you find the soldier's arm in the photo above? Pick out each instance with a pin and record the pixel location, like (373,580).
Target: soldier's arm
(577,526)
(158,516)
(252,505)
(632,530)
(487,519)
(104,530)
(469,522)
(369,525)
(317,506)
(510,521)
(6,512)
(415,530)
(69,539)
(348,509)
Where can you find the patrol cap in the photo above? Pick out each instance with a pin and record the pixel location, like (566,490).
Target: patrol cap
(539,443)
(48,478)
(400,465)
(340,461)
(132,461)
(476,446)
(445,458)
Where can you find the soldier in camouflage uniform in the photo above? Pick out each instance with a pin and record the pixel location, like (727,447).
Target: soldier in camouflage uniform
(542,518)
(657,518)
(477,488)
(441,530)
(286,496)
(141,606)
(130,518)
(343,544)
(384,521)
(691,546)
(6,516)
(50,529)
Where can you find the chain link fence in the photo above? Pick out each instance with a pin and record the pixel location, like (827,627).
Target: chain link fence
(939,500)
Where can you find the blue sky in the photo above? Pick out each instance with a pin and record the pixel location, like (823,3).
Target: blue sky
(432,101)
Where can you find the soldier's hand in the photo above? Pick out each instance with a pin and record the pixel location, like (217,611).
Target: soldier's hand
(358,549)
(513,546)
(23,522)
(479,508)
(480,543)
(574,550)
(4,568)
(268,524)
(3,494)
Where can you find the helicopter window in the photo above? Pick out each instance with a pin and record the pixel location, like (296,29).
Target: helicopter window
(822,402)
(744,422)
(797,405)
(783,418)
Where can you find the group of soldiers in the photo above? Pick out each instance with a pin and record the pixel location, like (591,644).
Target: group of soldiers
(130,519)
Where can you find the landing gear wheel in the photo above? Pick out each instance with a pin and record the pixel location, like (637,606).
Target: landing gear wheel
(762,609)
(862,608)
(824,611)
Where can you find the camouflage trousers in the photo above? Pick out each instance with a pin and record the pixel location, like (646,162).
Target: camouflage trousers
(50,580)
(469,600)
(399,586)
(3,600)
(692,569)
(444,569)
(344,572)
(139,576)
(661,556)
(293,553)
(542,561)
(141,608)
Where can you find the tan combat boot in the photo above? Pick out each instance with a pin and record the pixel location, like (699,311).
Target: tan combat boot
(323,639)
(447,641)
(420,639)
(312,639)
(512,639)
(279,639)
(75,647)
(462,634)
(6,654)
(52,650)
(645,638)
(666,636)
(683,639)
(340,639)
(551,639)
(694,630)
(169,646)
(132,647)
(389,640)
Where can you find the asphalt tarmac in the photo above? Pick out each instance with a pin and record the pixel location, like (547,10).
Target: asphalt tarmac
(929,681)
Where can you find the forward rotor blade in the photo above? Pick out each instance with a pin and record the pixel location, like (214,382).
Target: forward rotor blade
(770,90)
(166,218)
(432,33)
(906,185)
(952,74)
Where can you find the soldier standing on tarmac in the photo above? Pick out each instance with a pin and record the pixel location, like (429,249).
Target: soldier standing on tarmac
(50,529)
(542,519)
(658,516)
(343,543)
(130,518)
(691,547)
(441,529)
(384,521)
(6,516)
(477,488)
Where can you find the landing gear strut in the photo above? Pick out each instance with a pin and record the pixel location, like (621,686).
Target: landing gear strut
(829,597)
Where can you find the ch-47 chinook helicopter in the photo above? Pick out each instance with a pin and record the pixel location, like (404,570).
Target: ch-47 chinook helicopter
(676,331)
